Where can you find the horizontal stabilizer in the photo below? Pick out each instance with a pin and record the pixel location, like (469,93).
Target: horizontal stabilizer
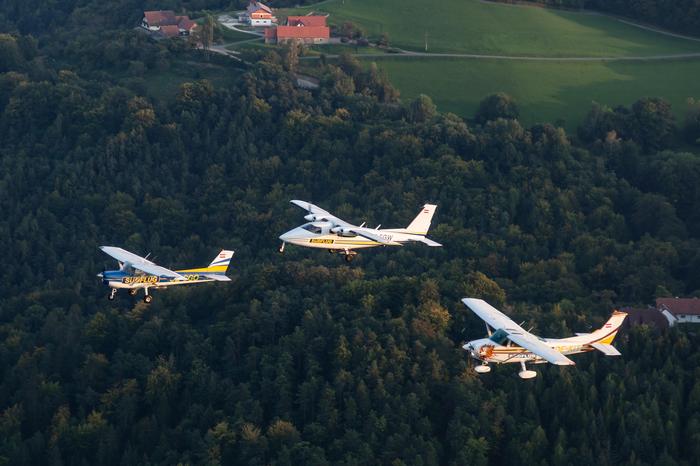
(429,242)
(217,277)
(608,350)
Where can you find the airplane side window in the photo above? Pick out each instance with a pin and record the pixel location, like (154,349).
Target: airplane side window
(499,336)
(312,228)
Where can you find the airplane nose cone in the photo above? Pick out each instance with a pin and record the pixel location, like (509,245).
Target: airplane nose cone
(285,236)
(100,275)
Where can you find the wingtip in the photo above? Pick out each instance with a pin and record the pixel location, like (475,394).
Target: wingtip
(470,300)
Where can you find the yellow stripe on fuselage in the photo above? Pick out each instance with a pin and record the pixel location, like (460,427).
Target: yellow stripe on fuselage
(609,339)
(355,242)
(215,269)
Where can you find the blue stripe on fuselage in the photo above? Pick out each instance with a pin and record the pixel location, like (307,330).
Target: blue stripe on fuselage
(220,262)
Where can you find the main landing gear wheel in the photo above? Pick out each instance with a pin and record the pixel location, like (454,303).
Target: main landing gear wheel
(526,374)
(147,299)
(112,294)
(133,292)
(349,255)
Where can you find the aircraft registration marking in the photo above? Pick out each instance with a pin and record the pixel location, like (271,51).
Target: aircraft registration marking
(140,279)
(192,277)
(321,241)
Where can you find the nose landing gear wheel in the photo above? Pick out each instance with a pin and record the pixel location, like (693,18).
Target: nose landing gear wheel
(112,294)
(281,248)
(132,292)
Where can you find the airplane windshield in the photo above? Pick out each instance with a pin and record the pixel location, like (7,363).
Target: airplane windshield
(312,228)
(499,336)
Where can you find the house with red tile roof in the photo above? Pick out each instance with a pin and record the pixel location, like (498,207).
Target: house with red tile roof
(310,29)
(679,310)
(166,23)
(257,14)
(308,21)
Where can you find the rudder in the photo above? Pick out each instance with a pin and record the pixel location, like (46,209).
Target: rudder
(221,262)
(608,332)
(421,224)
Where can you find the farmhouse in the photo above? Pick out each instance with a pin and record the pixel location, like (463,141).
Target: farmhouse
(679,310)
(167,23)
(667,312)
(257,14)
(310,29)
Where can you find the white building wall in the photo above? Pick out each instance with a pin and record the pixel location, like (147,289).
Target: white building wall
(685,318)
(261,22)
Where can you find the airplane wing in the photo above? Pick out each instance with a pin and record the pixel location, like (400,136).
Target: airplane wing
(319,212)
(310,208)
(372,236)
(140,263)
(491,315)
(539,348)
(516,333)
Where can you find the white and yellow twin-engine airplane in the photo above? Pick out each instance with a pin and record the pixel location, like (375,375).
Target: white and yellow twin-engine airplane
(511,343)
(326,231)
(136,272)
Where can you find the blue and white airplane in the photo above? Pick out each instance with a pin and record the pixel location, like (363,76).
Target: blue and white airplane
(136,272)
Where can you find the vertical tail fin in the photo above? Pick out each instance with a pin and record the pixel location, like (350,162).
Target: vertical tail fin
(421,224)
(608,332)
(216,270)
(221,262)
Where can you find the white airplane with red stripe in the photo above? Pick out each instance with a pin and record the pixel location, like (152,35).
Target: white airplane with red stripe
(508,342)
(326,231)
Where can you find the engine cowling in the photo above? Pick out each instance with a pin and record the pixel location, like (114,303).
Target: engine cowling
(315,218)
(485,351)
(342,231)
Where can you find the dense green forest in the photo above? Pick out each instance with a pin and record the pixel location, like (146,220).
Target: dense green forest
(676,15)
(304,359)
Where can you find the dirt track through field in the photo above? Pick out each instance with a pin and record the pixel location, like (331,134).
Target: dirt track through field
(409,54)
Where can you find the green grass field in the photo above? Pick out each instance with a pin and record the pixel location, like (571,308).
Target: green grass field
(545,91)
(229,35)
(470,26)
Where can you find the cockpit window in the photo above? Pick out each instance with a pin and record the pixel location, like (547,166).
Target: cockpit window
(499,336)
(312,228)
